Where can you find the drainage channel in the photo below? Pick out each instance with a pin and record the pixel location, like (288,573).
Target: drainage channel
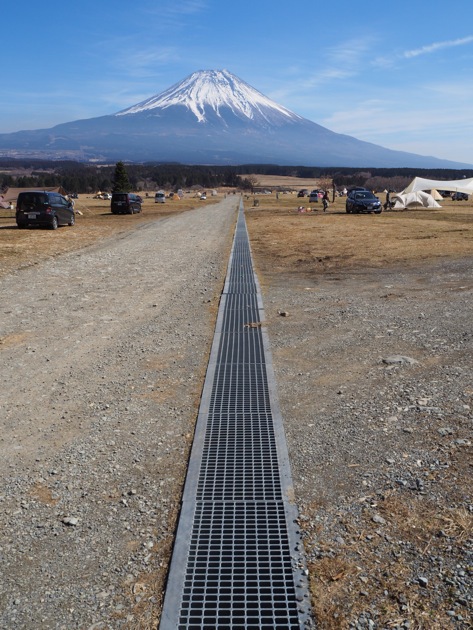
(237,560)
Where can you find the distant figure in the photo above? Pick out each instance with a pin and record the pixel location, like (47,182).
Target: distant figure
(325,201)
(387,203)
(334,191)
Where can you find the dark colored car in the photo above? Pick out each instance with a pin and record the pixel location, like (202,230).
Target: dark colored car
(362,201)
(125,203)
(303,193)
(459,196)
(43,209)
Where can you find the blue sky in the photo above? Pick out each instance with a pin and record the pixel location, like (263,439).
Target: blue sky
(399,74)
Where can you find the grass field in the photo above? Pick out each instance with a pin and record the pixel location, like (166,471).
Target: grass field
(314,242)
(287,240)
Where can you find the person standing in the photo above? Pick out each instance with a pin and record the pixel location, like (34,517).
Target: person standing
(325,201)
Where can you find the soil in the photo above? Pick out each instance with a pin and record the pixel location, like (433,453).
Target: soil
(106,329)
(373,362)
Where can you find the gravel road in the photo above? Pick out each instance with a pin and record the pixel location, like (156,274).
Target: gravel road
(103,358)
(103,355)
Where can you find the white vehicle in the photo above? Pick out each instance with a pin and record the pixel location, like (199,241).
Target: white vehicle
(160,197)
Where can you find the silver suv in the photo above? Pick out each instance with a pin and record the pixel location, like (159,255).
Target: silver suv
(314,196)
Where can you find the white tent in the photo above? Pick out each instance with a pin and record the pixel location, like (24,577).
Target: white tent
(455,185)
(415,199)
(436,195)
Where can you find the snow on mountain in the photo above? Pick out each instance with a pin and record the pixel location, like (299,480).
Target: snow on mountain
(215,90)
(211,117)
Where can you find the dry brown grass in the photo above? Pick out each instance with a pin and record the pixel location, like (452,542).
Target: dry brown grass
(286,241)
(283,240)
(347,579)
(295,183)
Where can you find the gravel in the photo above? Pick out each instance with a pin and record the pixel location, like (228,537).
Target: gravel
(103,359)
(376,390)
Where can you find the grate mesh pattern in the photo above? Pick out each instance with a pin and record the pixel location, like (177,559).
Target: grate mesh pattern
(240,568)
(235,563)
(240,388)
(240,460)
(241,311)
(242,348)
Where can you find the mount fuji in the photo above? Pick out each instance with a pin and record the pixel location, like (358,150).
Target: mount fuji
(211,117)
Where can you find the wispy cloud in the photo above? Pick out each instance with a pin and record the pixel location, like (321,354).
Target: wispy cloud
(172,13)
(386,122)
(338,63)
(431,48)
(189,6)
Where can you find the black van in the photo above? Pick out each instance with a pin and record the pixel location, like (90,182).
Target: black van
(125,203)
(43,209)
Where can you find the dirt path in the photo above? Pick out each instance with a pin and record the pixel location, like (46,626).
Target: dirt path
(103,353)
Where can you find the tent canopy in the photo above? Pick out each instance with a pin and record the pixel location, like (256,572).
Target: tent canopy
(12,193)
(415,199)
(455,185)
(436,195)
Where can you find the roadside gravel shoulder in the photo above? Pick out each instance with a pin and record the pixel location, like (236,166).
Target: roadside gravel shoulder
(376,390)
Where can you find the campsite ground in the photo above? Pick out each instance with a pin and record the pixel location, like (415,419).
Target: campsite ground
(373,363)
(28,247)
(294,241)
(379,450)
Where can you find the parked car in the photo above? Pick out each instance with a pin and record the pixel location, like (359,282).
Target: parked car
(459,196)
(303,193)
(355,188)
(125,203)
(315,195)
(160,197)
(43,209)
(203,196)
(362,201)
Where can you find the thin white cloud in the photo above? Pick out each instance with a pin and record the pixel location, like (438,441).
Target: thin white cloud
(338,63)
(189,6)
(431,48)
(173,13)
(387,123)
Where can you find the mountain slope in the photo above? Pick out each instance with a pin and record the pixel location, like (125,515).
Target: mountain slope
(213,92)
(210,117)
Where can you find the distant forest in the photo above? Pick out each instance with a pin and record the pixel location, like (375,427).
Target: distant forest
(77,177)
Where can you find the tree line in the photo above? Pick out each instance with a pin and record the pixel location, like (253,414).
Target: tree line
(90,178)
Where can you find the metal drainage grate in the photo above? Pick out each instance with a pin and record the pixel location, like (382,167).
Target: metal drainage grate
(236,561)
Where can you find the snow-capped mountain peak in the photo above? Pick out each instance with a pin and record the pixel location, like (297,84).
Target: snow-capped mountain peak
(209,91)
